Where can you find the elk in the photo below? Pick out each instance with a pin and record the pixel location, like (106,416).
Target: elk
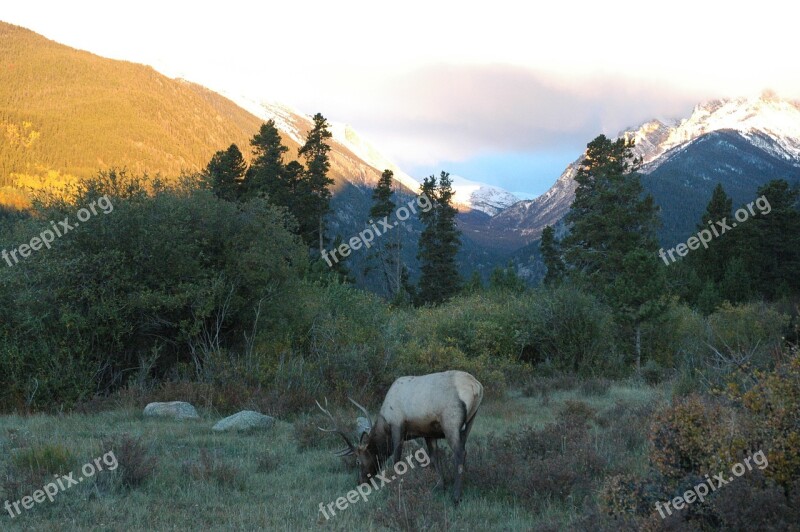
(433,406)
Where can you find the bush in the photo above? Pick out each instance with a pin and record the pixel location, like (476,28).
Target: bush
(597,387)
(558,461)
(690,437)
(667,339)
(652,372)
(209,468)
(752,330)
(773,405)
(135,465)
(166,277)
(32,467)
(569,331)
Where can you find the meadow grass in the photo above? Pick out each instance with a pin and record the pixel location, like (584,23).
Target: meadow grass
(226,481)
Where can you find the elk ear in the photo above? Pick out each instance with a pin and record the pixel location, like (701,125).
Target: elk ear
(364,436)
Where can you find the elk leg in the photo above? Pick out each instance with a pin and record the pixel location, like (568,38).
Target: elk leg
(464,434)
(459,453)
(456,439)
(433,452)
(397,441)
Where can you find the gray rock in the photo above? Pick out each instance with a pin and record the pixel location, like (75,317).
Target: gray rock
(243,421)
(173,409)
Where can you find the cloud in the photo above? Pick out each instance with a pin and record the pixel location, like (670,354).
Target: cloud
(453,112)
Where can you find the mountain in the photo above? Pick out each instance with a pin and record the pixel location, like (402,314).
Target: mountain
(488,199)
(67,113)
(741,143)
(684,177)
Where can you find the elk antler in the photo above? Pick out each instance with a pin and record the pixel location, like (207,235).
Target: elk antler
(350,449)
(364,410)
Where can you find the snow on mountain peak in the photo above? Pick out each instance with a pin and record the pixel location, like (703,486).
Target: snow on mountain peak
(765,114)
(480,196)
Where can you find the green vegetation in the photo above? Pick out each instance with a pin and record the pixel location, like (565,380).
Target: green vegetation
(438,243)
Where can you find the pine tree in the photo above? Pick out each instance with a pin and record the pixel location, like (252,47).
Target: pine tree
(387,249)
(612,248)
(266,173)
(710,263)
(225,172)
(506,279)
(314,202)
(439,243)
(551,255)
(769,241)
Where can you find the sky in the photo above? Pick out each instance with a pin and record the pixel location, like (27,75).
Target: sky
(504,92)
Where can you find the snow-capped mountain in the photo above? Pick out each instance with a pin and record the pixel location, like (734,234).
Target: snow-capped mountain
(480,196)
(752,117)
(768,123)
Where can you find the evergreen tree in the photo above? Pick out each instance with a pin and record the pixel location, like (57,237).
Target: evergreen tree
(314,194)
(769,242)
(506,279)
(710,263)
(474,284)
(551,255)
(439,243)
(386,249)
(225,172)
(612,248)
(266,173)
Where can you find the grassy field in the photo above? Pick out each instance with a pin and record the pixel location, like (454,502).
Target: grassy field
(208,481)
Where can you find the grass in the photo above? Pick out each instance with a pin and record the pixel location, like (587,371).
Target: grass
(206,480)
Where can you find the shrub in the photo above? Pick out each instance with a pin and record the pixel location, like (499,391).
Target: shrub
(168,276)
(773,404)
(412,503)
(652,372)
(31,467)
(752,330)
(689,436)
(209,468)
(668,338)
(136,465)
(597,387)
(569,331)
(558,461)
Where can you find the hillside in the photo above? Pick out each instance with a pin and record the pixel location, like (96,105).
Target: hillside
(74,112)
(67,113)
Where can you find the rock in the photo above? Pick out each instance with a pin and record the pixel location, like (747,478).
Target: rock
(244,420)
(173,409)
(362,426)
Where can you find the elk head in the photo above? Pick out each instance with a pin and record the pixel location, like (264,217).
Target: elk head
(366,457)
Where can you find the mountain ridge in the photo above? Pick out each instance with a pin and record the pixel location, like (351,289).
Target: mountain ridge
(766,121)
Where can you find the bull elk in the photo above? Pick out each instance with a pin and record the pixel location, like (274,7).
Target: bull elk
(434,406)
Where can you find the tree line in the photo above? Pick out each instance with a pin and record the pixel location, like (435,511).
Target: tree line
(302,189)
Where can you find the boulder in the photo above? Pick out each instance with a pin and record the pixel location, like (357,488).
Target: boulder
(173,409)
(245,420)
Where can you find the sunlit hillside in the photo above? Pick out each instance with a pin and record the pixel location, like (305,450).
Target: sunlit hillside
(71,112)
